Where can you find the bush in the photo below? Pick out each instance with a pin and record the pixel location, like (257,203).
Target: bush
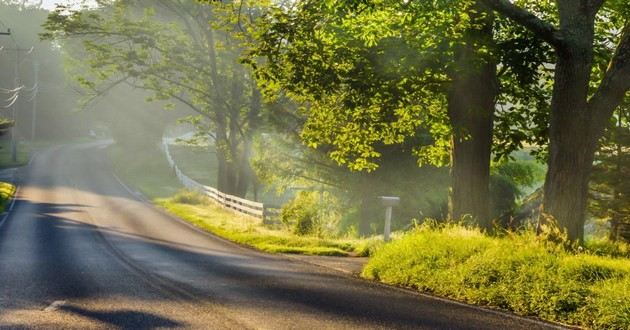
(312,213)
(190,197)
(7,191)
(606,247)
(301,213)
(518,272)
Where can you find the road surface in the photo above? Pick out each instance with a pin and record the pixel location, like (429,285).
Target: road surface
(79,251)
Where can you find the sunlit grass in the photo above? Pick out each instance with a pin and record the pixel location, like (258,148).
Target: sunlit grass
(7,191)
(205,214)
(148,172)
(516,272)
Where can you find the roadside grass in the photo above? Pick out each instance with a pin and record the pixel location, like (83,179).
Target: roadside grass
(23,154)
(144,169)
(147,171)
(199,163)
(517,272)
(7,191)
(202,212)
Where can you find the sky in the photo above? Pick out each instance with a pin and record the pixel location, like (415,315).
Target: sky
(50,4)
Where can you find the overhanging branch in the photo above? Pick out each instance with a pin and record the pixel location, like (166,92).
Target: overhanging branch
(522,16)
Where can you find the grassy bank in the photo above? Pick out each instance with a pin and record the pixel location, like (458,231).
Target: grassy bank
(520,273)
(7,191)
(205,214)
(144,169)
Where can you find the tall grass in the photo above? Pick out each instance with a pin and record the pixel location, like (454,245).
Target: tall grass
(517,272)
(7,191)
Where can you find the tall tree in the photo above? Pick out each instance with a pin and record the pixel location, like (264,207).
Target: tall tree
(171,49)
(380,73)
(584,96)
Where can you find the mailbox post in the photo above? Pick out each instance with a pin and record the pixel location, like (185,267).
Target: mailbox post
(389,202)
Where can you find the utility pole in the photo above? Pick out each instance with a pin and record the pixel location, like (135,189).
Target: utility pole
(35,92)
(18,62)
(15,105)
(14,109)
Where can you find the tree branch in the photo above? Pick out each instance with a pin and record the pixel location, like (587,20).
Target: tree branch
(616,82)
(522,16)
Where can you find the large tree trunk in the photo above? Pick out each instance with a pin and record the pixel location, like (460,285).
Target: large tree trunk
(471,105)
(573,140)
(577,122)
(566,186)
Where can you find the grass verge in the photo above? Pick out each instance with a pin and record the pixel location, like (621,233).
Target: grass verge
(205,214)
(23,152)
(7,191)
(519,273)
(144,169)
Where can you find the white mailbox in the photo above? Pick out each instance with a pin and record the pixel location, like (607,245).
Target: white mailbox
(389,202)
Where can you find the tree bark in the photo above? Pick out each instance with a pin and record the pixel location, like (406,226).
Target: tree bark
(577,122)
(573,142)
(471,105)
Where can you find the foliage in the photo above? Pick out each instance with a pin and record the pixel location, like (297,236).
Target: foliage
(189,197)
(372,74)
(7,191)
(610,189)
(55,118)
(312,213)
(509,182)
(281,161)
(517,272)
(170,49)
(605,247)
(302,213)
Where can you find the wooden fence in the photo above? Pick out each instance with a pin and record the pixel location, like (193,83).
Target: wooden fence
(237,204)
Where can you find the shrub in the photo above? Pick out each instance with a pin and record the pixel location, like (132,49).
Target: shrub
(606,247)
(301,213)
(312,213)
(190,197)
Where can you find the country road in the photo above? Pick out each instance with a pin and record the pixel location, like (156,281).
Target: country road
(79,251)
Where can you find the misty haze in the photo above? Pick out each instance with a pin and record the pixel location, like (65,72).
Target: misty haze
(308,164)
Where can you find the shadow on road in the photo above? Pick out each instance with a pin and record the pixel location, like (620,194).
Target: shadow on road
(126,319)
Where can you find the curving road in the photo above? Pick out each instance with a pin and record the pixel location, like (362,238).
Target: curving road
(79,251)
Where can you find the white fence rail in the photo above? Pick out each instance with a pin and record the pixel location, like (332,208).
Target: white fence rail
(237,204)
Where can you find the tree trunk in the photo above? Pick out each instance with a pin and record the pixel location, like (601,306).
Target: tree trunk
(566,185)
(365,215)
(246,174)
(471,105)
(572,139)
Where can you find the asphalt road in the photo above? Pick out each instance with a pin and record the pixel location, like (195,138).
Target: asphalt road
(79,251)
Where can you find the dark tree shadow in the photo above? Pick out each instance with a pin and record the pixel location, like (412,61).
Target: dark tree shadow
(125,319)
